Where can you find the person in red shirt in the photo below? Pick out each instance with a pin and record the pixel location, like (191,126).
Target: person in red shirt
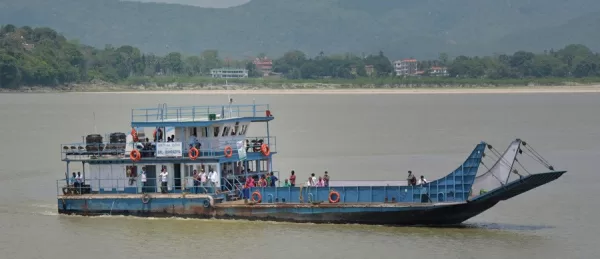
(293,179)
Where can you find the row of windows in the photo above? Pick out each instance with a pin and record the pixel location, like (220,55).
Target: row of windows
(224,131)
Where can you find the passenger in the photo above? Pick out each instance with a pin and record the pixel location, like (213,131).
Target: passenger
(250,182)
(273,180)
(262,182)
(320,183)
(202,179)
(326,179)
(313,180)
(72,181)
(196,177)
(286,183)
(193,140)
(163,178)
(310,182)
(411,179)
(213,178)
(422,180)
(293,179)
(79,181)
(268,178)
(144,179)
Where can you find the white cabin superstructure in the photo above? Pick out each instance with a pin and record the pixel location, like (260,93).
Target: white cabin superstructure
(181,140)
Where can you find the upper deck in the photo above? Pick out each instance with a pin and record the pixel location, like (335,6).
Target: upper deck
(199,116)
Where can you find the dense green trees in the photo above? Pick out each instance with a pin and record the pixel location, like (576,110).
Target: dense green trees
(41,56)
(573,60)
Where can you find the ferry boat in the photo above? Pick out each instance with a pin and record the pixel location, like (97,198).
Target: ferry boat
(121,175)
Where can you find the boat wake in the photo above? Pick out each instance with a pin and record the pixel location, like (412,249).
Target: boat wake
(502,226)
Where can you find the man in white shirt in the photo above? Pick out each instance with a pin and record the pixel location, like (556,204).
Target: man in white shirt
(144,179)
(193,141)
(422,180)
(213,177)
(163,178)
(203,179)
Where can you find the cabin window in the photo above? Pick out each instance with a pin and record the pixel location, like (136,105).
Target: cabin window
(204,132)
(236,129)
(225,131)
(216,131)
(194,131)
(244,128)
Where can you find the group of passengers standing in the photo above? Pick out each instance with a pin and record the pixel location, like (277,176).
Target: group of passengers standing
(323,181)
(267,180)
(412,180)
(202,180)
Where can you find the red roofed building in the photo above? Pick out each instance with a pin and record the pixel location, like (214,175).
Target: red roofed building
(438,71)
(264,65)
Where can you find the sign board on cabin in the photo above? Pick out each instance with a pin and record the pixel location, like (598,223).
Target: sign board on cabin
(168,149)
(241,150)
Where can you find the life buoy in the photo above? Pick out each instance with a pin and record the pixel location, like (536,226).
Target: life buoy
(228,151)
(265,150)
(145,198)
(256,197)
(135,155)
(337,197)
(193,153)
(134,135)
(206,203)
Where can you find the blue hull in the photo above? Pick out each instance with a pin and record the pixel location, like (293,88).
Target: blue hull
(200,206)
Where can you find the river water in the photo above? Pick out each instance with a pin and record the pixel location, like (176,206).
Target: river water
(351,136)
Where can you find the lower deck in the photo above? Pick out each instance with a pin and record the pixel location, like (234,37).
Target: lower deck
(318,210)
(177,197)
(200,206)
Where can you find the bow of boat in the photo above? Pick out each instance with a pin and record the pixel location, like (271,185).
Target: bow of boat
(519,186)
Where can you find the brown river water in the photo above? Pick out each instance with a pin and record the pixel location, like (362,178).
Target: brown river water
(351,136)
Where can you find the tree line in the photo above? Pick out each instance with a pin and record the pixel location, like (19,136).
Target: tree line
(41,56)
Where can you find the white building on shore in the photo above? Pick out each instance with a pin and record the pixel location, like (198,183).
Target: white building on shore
(229,73)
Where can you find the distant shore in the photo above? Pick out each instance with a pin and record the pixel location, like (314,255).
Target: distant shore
(305,89)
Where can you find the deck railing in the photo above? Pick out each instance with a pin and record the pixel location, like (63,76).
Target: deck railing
(132,185)
(197,113)
(83,150)
(426,193)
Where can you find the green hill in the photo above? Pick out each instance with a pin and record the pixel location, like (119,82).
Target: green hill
(400,28)
(582,30)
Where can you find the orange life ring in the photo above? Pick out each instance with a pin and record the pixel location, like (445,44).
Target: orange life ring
(134,135)
(256,197)
(193,153)
(228,151)
(265,150)
(337,198)
(135,155)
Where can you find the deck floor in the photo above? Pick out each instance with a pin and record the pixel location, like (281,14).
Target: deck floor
(243,203)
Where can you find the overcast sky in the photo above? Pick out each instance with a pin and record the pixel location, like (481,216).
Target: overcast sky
(201,3)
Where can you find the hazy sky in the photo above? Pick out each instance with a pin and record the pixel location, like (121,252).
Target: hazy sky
(201,3)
